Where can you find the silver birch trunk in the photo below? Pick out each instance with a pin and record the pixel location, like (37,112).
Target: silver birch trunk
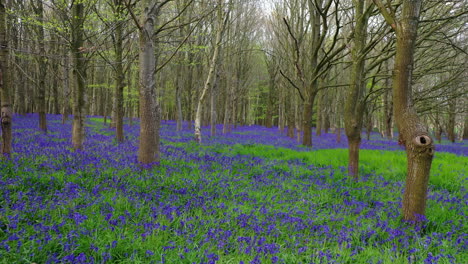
(208,82)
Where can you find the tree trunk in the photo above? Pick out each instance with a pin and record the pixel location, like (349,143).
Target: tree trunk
(119,76)
(18,106)
(112,123)
(325,112)
(130,105)
(105,98)
(465,128)
(326,122)
(148,150)
(318,123)
(307,120)
(338,131)
(388,110)
(389,121)
(451,120)
(234,114)
(66,87)
(438,132)
(94,96)
(55,81)
(178,98)
(79,75)
(208,82)
(355,103)
(369,126)
(413,134)
(189,89)
(353,154)
(42,68)
(298,121)
(291,124)
(227,108)
(182,68)
(290,111)
(6,110)
(213,115)
(270,103)
(281,115)
(339,112)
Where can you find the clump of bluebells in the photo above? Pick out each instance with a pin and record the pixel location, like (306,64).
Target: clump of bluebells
(206,205)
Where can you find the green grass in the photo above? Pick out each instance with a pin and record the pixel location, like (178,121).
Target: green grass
(448,170)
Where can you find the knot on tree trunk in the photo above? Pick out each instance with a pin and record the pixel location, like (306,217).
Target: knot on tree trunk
(6,120)
(6,116)
(422,140)
(423,144)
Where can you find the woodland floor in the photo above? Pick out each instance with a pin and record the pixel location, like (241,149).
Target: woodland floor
(251,196)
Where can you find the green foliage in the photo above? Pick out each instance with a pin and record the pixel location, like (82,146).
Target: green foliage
(447,171)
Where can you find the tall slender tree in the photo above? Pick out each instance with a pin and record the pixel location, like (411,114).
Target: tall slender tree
(355,101)
(79,73)
(41,106)
(6,109)
(119,14)
(221,22)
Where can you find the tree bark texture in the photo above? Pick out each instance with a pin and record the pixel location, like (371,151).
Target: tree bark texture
(233,110)
(298,110)
(66,88)
(451,120)
(290,112)
(307,119)
(413,133)
(55,85)
(281,115)
(178,98)
(388,109)
(355,104)
(79,75)
(119,76)
(388,115)
(465,128)
(227,113)
(369,125)
(270,103)
(338,132)
(148,151)
(438,131)
(318,122)
(42,68)
(6,109)
(213,113)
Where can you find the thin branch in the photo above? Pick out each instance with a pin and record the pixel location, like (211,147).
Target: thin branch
(389,18)
(162,27)
(297,52)
(293,84)
(135,19)
(444,18)
(24,72)
(178,48)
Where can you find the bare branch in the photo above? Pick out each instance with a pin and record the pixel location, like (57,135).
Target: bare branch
(389,16)
(293,84)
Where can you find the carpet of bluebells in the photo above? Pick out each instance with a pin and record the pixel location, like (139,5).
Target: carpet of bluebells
(210,204)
